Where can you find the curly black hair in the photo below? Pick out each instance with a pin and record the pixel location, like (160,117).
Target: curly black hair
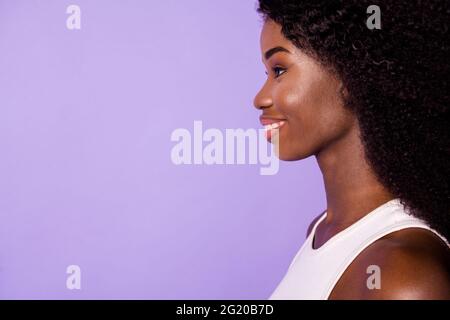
(396,78)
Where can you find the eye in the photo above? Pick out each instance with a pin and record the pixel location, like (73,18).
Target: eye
(278,71)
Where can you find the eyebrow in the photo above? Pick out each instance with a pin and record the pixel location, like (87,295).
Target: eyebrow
(274,50)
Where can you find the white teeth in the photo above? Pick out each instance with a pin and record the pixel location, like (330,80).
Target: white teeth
(275,125)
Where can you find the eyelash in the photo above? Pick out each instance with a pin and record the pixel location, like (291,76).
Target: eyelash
(275,70)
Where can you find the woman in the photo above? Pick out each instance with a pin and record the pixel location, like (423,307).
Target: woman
(372,106)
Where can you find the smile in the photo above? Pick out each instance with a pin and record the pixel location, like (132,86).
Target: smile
(274,125)
(271,127)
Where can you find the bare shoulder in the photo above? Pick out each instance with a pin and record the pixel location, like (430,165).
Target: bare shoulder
(313,222)
(411,263)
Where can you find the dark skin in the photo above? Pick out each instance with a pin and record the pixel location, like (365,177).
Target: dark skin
(414,263)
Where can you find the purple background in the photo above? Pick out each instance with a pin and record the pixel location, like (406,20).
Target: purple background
(85,171)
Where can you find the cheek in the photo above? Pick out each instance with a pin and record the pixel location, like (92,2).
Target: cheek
(300,132)
(300,106)
(315,103)
(288,100)
(314,113)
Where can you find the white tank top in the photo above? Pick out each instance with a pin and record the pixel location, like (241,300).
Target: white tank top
(313,273)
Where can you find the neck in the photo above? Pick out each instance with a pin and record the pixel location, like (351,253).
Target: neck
(351,187)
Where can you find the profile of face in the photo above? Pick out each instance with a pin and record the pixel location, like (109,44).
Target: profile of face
(301,93)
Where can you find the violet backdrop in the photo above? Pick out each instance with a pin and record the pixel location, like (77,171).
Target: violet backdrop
(86,176)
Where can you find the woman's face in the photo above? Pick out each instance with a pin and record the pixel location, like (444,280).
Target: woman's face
(303,94)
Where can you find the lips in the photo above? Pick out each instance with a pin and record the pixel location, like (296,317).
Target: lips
(266,121)
(271,124)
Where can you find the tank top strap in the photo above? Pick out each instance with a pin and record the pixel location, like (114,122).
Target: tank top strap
(399,220)
(313,273)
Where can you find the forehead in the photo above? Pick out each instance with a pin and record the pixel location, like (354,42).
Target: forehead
(271,36)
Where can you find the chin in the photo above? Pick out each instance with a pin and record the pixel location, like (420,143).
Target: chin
(289,149)
(289,155)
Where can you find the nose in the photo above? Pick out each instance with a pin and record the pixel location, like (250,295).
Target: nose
(262,99)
